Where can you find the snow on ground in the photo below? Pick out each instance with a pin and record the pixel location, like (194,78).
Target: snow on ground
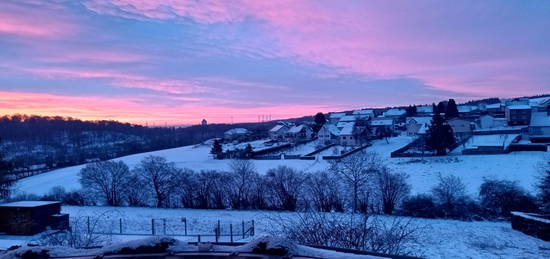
(490,140)
(440,238)
(516,166)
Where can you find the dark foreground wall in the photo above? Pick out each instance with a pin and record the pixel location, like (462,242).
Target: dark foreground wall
(531,224)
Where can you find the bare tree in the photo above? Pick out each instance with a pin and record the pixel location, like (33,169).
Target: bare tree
(158,176)
(354,170)
(448,192)
(108,179)
(392,188)
(186,188)
(286,186)
(135,194)
(324,192)
(243,182)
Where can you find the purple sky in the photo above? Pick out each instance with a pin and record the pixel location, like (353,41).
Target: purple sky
(178,61)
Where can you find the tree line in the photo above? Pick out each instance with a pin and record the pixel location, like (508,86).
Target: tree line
(29,142)
(359,183)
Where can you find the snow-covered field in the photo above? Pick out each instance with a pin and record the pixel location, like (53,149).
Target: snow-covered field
(517,166)
(439,239)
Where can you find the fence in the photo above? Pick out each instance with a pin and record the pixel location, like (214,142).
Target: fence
(217,231)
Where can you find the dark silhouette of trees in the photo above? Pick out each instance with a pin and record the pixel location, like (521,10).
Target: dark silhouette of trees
(319,121)
(411,111)
(217,149)
(452,110)
(440,136)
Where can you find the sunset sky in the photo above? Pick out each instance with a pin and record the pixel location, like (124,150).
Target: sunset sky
(179,61)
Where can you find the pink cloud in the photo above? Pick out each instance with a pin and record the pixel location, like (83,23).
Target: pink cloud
(120,79)
(375,39)
(39,21)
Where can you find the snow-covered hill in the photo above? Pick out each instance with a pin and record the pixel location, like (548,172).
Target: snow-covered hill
(518,166)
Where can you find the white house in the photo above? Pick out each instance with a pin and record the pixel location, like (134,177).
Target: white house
(394,113)
(235,133)
(488,121)
(540,124)
(278,132)
(299,133)
(328,134)
(418,125)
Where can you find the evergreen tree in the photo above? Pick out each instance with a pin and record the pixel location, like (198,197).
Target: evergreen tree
(440,136)
(319,120)
(411,111)
(434,108)
(216,150)
(5,167)
(248,151)
(452,110)
(442,107)
(544,189)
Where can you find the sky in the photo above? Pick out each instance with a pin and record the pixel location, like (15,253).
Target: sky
(179,61)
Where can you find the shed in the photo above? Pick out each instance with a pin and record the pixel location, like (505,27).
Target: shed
(31,217)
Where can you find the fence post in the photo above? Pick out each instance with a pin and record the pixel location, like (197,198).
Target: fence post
(231,233)
(199,238)
(88,223)
(120,224)
(185,225)
(243,230)
(218,231)
(164,226)
(153,226)
(253,226)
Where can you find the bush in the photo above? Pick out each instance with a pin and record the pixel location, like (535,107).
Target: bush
(421,205)
(500,197)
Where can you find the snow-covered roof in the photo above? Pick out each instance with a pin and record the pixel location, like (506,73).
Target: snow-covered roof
(363,112)
(236,131)
(276,128)
(493,106)
(297,129)
(540,119)
(424,109)
(332,129)
(466,108)
(420,120)
(348,118)
(347,128)
(382,122)
(395,112)
(518,107)
(28,203)
(337,115)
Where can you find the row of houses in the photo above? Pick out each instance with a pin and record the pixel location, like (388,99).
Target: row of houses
(516,116)
(289,132)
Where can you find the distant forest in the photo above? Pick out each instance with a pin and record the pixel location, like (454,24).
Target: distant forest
(34,143)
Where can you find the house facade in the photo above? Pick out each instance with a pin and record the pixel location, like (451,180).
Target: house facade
(540,124)
(328,134)
(519,114)
(461,127)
